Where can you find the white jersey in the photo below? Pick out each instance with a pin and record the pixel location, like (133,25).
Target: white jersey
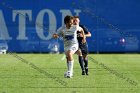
(69,37)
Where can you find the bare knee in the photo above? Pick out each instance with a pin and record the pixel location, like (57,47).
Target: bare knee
(85,57)
(79,53)
(69,56)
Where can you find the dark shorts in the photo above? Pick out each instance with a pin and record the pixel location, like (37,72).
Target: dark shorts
(83,48)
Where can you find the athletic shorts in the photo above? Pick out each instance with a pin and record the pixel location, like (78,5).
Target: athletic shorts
(72,48)
(83,48)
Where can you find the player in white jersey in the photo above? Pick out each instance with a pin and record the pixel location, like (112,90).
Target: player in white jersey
(69,37)
(69,34)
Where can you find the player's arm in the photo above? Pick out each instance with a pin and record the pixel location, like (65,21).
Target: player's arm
(88,34)
(59,33)
(84,37)
(86,31)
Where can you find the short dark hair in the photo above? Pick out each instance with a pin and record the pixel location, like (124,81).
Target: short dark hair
(76,17)
(67,19)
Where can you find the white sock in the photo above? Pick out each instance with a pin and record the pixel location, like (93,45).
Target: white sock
(70,66)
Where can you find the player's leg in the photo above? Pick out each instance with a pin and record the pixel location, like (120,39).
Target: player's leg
(70,50)
(81,61)
(84,50)
(70,61)
(69,72)
(85,57)
(70,65)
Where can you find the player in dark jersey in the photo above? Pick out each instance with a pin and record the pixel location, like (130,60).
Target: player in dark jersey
(83,46)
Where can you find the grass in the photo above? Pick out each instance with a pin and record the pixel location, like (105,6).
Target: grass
(43,73)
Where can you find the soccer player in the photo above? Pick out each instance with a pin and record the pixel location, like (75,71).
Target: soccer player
(82,46)
(69,34)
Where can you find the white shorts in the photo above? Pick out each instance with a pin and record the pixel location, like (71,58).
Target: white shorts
(72,48)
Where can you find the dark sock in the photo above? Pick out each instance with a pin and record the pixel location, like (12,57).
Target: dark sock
(86,66)
(86,62)
(81,62)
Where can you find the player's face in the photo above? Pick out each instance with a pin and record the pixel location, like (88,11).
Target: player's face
(70,23)
(76,21)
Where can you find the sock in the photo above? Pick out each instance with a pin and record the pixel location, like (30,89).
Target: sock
(86,66)
(81,62)
(70,66)
(86,63)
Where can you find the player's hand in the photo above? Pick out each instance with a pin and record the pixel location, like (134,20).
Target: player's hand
(55,36)
(80,35)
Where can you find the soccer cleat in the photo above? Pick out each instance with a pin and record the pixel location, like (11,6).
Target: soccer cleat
(65,74)
(83,72)
(68,74)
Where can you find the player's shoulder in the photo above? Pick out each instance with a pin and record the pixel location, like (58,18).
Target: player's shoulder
(61,28)
(84,28)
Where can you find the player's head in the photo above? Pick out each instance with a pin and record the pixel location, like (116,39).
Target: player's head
(68,20)
(76,20)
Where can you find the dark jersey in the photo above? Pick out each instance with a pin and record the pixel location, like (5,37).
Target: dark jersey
(78,33)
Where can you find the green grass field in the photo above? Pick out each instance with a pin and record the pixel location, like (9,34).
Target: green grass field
(44,73)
